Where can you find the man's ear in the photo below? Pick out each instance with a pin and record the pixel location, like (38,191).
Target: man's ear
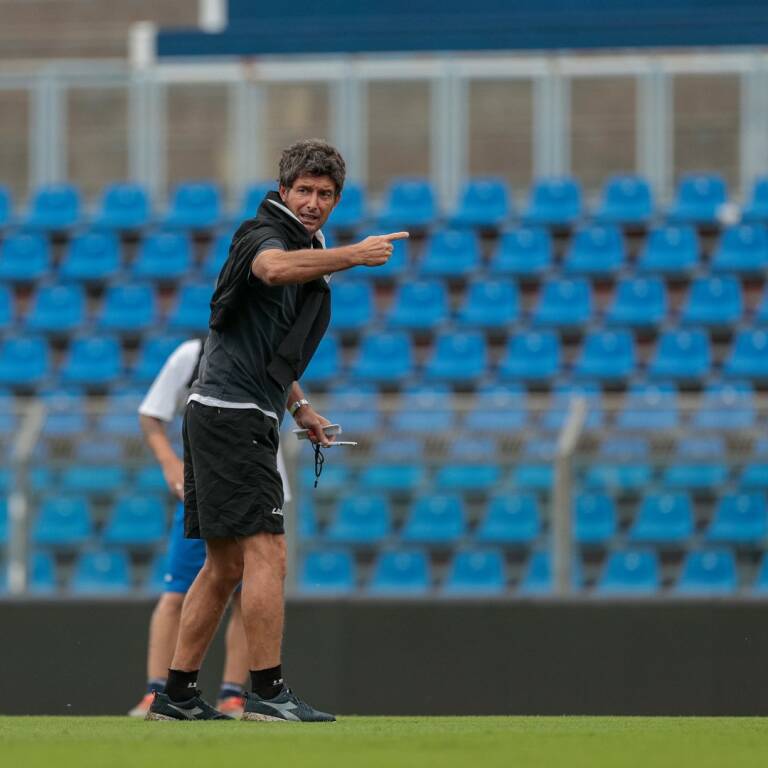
(283,192)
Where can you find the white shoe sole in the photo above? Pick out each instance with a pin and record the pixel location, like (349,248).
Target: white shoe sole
(257,716)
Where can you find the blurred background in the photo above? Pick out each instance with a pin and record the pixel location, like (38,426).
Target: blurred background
(557,384)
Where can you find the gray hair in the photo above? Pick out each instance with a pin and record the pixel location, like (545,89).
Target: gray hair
(312,157)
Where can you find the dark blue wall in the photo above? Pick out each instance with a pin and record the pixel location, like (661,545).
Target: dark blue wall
(351,26)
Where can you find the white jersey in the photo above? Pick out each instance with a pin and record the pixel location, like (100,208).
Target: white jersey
(168,393)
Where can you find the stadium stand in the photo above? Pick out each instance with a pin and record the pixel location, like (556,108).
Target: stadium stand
(505,319)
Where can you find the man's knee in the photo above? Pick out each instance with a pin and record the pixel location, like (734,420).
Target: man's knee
(170,602)
(225,568)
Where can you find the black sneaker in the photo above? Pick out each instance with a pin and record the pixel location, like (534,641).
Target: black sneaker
(286,706)
(196,708)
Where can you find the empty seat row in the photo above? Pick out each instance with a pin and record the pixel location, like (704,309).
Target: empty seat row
(409,202)
(538,356)
(562,303)
(666,518)
(484,572)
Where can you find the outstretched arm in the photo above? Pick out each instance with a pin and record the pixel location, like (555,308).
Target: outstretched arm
(276,267)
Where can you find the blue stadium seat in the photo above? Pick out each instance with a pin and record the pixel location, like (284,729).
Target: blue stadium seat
(476,572)
(216,256)
(150,479)
(726,407)
(57,309)
(128,308)
(436,519)
(618,478)
(490,304)
(564,303)
(394,268)
(531,356)
(137,521)
(306,518)
(393,478)
(742,249)
(400,572)
(498,408)
(756,208)
(665,518)
(350,210)
(626,200)
(6,207)
(42,574)
(24,361)
(124,206)
(327,572)
(451,253)
(153,353)
(63,522)
(54,207)
(163,256)
(252,197)
(119,420)
(638,302)
(760,585)
(195,205)
(739,519)
(24,257)
(594,518)
(355,406)
(336,478)
(92,361)
(424,409)
(649,408)
(360,519)
(523,252)
(754,476)
(7,307)
(533,476)
(538,577)
(3,521)
(94,479)
(101,573)
(91,257)
(465,478)
(708,572)
(670,250)
(384,357)
(554,418)
(512,519)
(555,201)
(695,474)
(419,305)
(325,363)
(457,357)
(596,250)
(714,301)
(630,572)
(410,204)
(748,357)
(482,203)
(65,415)
(699,196)
(192,308)
(607,355)
(682,355)
(352,305)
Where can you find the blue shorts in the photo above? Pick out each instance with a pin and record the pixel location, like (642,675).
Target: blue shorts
(185,556)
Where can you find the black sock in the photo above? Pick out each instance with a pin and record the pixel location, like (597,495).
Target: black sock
(181,686)
(267,683)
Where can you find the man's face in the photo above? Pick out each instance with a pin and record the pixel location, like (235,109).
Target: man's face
(311,199)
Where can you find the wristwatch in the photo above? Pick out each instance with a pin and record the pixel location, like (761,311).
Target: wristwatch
(296,404)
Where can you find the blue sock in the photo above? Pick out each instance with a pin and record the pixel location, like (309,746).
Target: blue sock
(228,690)
(156,684)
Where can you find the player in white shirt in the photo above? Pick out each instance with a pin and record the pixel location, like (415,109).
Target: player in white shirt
(164,399)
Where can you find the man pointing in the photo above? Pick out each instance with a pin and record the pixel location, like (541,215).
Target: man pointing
(270,309)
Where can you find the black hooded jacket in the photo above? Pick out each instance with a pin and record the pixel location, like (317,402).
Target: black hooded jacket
(262,337)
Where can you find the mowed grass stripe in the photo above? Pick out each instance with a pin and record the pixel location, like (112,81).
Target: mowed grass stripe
(358,742)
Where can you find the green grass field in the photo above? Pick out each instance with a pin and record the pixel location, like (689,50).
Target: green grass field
(479,742)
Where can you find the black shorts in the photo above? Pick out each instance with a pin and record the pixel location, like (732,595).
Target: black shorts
(232,487)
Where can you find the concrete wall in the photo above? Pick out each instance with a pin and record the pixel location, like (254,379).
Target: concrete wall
(428,658)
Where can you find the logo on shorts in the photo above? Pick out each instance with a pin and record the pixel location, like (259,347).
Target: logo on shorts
(277,511)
